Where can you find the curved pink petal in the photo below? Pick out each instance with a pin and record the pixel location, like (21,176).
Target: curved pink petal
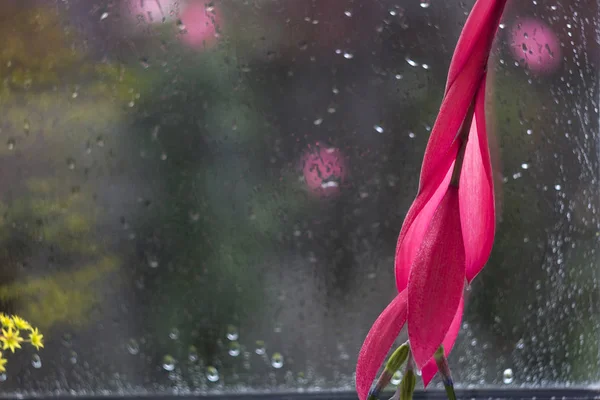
(408,247)
(430,369)
(378,342)
(476,193)
(436,280)
(442,146)
(475,41)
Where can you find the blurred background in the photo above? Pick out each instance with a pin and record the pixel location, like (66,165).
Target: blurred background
(205,196)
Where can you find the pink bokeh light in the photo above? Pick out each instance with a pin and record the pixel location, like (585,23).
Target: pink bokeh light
(535,45)
(199,29)
(153,11)
(324,170)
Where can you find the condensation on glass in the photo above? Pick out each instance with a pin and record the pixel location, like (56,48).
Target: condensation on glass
(205,196)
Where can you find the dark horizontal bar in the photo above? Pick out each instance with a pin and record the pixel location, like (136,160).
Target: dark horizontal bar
(468,394)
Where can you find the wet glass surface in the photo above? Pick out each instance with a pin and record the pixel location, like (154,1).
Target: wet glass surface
(205,197)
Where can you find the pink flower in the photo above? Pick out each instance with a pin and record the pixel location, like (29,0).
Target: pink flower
(448,233)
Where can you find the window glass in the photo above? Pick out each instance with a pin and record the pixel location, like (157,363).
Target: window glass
(205,196)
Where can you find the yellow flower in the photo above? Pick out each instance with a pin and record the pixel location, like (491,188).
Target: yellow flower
(10,339)
(6,321)
(3,361)
(36,338)
(20,323)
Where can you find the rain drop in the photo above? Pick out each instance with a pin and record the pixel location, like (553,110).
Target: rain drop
(277,360)
(193,354)
(133,347)
(36,361)
(378,128)
(103,16)
(168,363)
(396,378)
(507,376)
(3,377)
(348,56)
(260,347)
(411,62)
(174,334)
(557,187)
(71,163)
(212,374)
(525,166)
(232,333)
(234,349)
(10,144)
(425,3)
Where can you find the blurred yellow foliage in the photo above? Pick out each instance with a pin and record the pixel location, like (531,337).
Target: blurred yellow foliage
(65,297)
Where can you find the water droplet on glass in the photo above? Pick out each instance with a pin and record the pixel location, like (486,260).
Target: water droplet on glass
(212,374)
(103,16)
(234,349)
(529,131)
(153,262)
(525,166)
(411,62)
(425,66)
(425,3)
(133,347)
(378,128)
(232,333)
(260,347)
(396,378)
(411,135)
(348,13)
(168,363)
(557,187)
(10,144)
(507,376)
(36,361)
(174,334)
(318,121)
(277,360)
(193,354)
(348,56)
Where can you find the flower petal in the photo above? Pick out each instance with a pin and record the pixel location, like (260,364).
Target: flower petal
(476,193)
(409,243)
(378,342)
(436,280)
(430,369)
(475,41)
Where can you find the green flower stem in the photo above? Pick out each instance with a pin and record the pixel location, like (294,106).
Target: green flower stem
(444,370)
(394,363)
